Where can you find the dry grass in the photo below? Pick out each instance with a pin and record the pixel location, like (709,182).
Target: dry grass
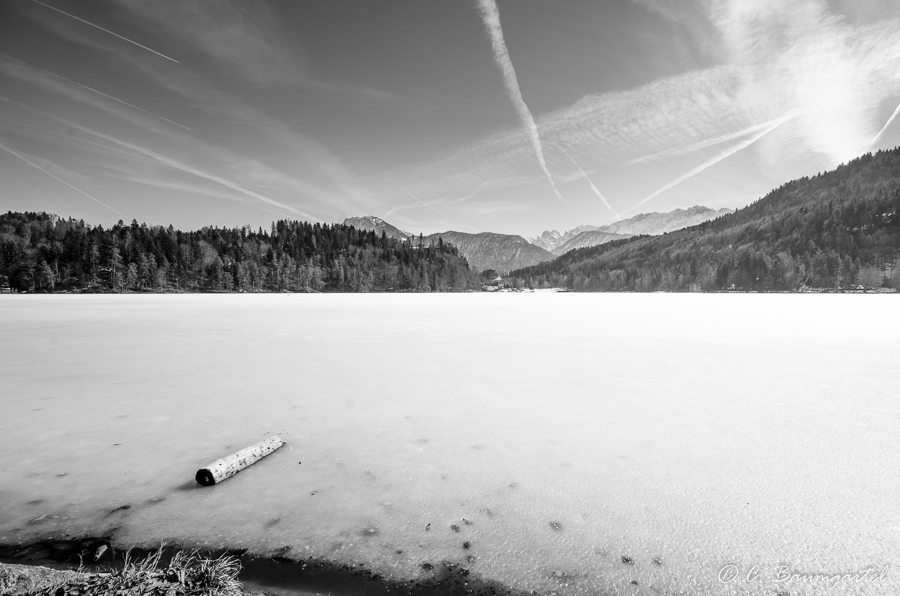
(188,574)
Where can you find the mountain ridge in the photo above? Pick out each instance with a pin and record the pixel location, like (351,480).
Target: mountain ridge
(837,230)
(653,223)
(586,239)
(491,250)
(371,223)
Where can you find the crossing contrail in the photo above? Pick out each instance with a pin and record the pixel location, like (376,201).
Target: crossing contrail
(884,128)
(80,140)
(71,138)
(174,163)
(105,31)
(711,162)
(490,14)
(58,179)
(591,183)
(703,144)
(92,90)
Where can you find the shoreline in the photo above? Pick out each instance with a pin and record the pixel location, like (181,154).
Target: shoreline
(262,575)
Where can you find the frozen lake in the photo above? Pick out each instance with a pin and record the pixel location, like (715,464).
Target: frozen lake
(591,440)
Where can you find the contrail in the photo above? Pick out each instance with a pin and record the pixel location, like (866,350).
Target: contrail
(490,14)
(727,153)
(884,128)
(107,147)
(105,30)
(34,165)
(172,163)
(92,90)
(591,182)
(71,138)
(703,144)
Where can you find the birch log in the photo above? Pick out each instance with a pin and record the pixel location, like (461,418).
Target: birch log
(228,466)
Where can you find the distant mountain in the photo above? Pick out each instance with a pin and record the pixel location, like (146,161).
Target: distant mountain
(377,225)
(501,252)
(549,240)
(654,224)
(651,224)
(585,239)
(836,230)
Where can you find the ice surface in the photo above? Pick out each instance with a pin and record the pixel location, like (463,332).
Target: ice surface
(571,430)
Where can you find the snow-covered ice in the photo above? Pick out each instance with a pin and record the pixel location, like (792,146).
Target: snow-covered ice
(582,435)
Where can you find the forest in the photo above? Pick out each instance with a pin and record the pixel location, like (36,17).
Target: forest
(838,230)
(45,253)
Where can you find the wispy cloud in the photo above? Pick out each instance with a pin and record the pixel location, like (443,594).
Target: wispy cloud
(131,41)
(245,36)
(460,199)
(73,138)
(704,144)
(58,179)
(591,183)
(490,14)
(711,162)
(831,73)
(300,148)
(884,128)
(611,128)
(168,184)
(800,55)
(78,92)
(330,184)
(416,199)
(174,163)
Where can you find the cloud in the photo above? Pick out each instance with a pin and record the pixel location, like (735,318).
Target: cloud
(172,185)
(491,17)
(419,202)
(257,128)
(611,128)
(591,183)
(711,162)
(469,195)
(174,163)
(302,151)
(32,163)
(884,128)
(831,73)
(799,55)
(676,151)
(78,140)
(243,34)
(83,94)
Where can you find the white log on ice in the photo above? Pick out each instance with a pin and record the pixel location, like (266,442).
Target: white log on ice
(230,465)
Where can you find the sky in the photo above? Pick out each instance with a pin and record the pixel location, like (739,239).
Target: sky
(469,115)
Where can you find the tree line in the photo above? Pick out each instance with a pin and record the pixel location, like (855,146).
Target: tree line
(45,253)
(835,230)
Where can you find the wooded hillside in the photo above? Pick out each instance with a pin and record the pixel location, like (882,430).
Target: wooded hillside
(838,229)
(41,252)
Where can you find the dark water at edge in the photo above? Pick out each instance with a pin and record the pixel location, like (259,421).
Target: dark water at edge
(280,576)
